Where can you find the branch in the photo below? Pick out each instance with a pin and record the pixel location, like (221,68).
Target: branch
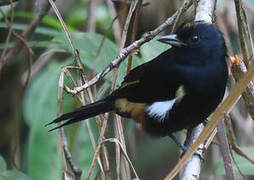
(126,51)
(193,166)
(224,147)
(116,25)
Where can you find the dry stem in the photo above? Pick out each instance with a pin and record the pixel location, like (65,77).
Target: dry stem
(225,150)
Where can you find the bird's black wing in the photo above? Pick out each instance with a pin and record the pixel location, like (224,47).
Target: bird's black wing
(151,81)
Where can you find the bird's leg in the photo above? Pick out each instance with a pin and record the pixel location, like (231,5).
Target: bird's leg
(205,122)
(183,147)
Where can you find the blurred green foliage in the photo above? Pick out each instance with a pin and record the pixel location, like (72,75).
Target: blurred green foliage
(10,174)
(245,166)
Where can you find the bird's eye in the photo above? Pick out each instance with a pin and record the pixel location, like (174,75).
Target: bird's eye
(194,38)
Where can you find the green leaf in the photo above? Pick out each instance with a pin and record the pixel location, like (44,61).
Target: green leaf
(40,107)
(245,166)
(152,49)
(77,17)
(40,30)
(33,44)
(13,175)
(2,165)
(47,20)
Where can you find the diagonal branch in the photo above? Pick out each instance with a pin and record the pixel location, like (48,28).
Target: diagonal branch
(224,148)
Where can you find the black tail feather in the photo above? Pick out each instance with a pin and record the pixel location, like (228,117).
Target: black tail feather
(83,113)
(71,121)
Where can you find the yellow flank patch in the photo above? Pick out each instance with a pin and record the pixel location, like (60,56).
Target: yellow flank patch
(129,83)
(134,109)
(180,93)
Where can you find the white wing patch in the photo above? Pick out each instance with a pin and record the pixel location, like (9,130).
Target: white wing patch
(160,109)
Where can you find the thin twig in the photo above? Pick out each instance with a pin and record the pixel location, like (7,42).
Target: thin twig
(91,98)
(81,80)
(98,121)
(133,38)
(65,71)
(224,147)
(39,64)
(116,24)
(77,58)
(99,145)
(127,22)
(67,33)
(118,161)
(126,51)
(232,140)
(244,32)
(116,141)
(91,27)
(77,171)
(30,62)
(179,14)
(134,31)
(102,41)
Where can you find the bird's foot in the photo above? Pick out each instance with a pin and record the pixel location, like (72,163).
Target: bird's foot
(185,148)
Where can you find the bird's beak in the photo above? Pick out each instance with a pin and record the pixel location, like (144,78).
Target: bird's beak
(172,40)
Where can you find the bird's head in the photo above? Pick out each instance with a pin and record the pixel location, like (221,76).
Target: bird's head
(197,39)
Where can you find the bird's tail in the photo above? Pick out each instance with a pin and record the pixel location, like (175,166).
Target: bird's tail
(83,113)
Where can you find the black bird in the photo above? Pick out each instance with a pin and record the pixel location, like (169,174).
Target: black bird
(176,90)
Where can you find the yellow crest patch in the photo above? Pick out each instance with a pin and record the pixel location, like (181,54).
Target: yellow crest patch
(188,25)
